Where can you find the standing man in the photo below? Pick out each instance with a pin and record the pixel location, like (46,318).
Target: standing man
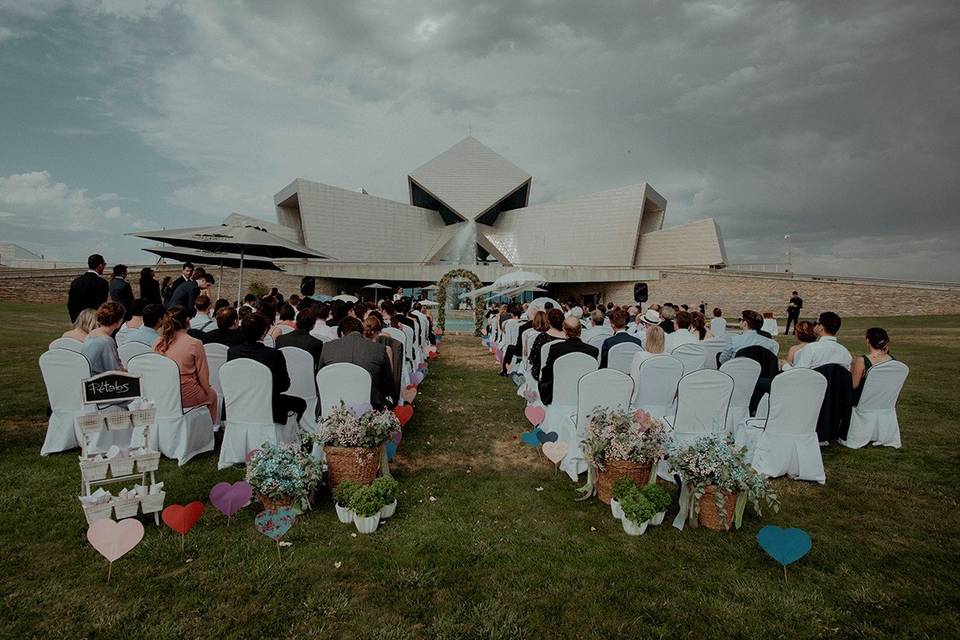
(793,311)
(90,290)
(186,294)
(120,290)
(185,274)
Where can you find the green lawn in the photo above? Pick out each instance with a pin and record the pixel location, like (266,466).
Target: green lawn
(477,550)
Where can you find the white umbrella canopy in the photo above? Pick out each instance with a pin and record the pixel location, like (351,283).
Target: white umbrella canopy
(345,297)
(376,286)
(517,278)
(429,303)
(538,303)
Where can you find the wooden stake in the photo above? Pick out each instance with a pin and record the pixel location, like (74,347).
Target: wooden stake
(182,538)
(784,573)
(109,571)
(279,557)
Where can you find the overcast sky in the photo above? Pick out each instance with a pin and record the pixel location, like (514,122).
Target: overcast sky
(835,122)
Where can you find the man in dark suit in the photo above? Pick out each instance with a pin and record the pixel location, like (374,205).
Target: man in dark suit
(301,338)
(793,311)
(353,347)
(186,294)
(573,344)
(120,289)
(185,274)
(253,329)
(516,348)
(90,290)
(227,331)
(618,320)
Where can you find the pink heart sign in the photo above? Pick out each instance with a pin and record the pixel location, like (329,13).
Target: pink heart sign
(555,451)
(535,415)
(114,539)
(230,498)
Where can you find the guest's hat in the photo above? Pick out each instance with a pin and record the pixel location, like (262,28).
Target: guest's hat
(650,317)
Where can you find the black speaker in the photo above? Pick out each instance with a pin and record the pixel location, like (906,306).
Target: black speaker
(308,286)
(640,292)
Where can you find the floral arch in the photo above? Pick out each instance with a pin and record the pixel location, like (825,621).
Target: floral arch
(454,274)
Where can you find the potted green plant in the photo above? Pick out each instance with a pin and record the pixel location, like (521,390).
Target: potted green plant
(351,443)
(660,499)
(620,443)
(637,512)
(387,488)
(283,475)
(621,487)
(341,496)
(366,503)
(720,482)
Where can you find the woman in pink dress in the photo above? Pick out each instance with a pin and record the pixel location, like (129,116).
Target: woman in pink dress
(175,343)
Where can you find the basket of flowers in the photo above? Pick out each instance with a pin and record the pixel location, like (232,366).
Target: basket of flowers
(351,443)
(283,474)
(620,444)
(720,482)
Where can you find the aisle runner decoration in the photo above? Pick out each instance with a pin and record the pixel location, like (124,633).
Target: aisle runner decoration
(442,299)
(113,540)
(182,518)
(717,484)
(274,523)
(230,498)
(786,546)
(620,443)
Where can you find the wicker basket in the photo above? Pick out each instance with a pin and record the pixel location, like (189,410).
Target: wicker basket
(271,504)
(149,461)
(125,507)
(94,512)
(639,472)
(143,417)
(709,515)
(94,469)
(351,463)
(121,466)
(118,420)
(153,502)
(90,423)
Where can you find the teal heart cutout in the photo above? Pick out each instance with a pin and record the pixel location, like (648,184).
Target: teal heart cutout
(274,523)
(530,438)
(391,450)
(786,546)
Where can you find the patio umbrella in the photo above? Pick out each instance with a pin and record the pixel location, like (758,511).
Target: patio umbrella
(210,258)
(345,297)
(245,240)
(321,297)
(376,286)
(538,303)
(517,278)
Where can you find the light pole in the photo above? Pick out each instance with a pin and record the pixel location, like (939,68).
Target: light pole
(789,265)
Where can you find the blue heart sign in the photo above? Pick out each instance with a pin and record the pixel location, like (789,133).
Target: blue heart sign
(391,450)
(274,523)
(544,437)
(786,546)
(530,438)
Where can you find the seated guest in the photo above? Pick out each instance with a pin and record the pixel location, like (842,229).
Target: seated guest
(147,333)
(826,350)
(650,317)
(597,326)
(653,341)
(573,344)
(83,325)
(220,304)
(202,321)
(135,321)
(372,328)
(618,320)
(300,337)
(288,314)
(698,326)
(515,349)
(805,335)
(878,342)
(352,347)
(228,328)
(510,351)
(750,323)
(99,347)
(719,324)
(175,343)
(250,301)
(538,324)
(553,331)
(668,312)
(321,329)
(681,334)
(254,328)
(267,307)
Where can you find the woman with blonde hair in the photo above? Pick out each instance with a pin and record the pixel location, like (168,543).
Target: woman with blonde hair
(99,347)
(83,325)
(175,343)
(653,344)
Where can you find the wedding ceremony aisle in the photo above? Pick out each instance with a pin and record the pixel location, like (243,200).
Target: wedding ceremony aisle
(488,540)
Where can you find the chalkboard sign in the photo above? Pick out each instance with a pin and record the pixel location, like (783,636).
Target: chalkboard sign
(112,386)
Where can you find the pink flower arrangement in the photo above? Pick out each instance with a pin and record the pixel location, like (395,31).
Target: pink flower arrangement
(623,435)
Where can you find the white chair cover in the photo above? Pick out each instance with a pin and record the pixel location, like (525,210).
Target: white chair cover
(284,329)
(177,433)
(770,326)
(407,368)
(874,419)
(268,341)
(424,329)
(786,441)
(744,372)
(63,370)
(410,353)
(342,382)
(302,383)
(133,348)
(691,355)
(69,344)
(703,401)
(605,388)
(655,384)
(216,358)
(597,341)
(620,356)
(562,412)
(248,423)
(711,347)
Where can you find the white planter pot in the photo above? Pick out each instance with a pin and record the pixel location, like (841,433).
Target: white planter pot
(658,519)
(388,510)
(344,514)
(632,529)
(367,525)
(615,509)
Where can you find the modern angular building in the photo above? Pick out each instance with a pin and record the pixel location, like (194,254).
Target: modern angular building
(471,207)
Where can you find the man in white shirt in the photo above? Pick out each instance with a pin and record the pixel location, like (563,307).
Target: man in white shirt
(681,334)
(596,327)
(202,321)
(750,322)
(718,326)
(320,329)
(826,350)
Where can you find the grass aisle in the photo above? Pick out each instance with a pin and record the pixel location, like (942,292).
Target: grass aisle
(476,549)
